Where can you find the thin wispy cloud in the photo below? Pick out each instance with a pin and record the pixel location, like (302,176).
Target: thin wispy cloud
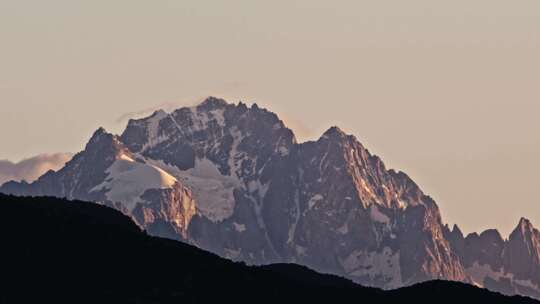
(167,106)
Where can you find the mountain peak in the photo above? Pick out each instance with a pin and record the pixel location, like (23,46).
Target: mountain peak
(213,102)
(99,135)
(105,144)
(159,113)
(524,224)
(523,229)
(99,131)
(455,229)
(334,132)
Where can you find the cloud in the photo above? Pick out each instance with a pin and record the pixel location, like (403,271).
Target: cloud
(144,112)
(31,168)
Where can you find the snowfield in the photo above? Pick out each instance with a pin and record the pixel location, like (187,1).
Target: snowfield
(127,180)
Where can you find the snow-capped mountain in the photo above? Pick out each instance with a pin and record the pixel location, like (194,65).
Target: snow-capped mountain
(233,180)
(107,172)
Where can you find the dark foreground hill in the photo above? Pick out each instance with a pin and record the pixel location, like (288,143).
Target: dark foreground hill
(59,251)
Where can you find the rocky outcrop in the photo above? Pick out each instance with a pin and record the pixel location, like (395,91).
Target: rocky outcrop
(509,266)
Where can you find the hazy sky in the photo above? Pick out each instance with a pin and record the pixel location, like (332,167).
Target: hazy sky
(447,91)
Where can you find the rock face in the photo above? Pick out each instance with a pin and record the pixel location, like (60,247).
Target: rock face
(509,266)
(232,179)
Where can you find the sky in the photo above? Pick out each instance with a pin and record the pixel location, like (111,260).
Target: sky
(446,91)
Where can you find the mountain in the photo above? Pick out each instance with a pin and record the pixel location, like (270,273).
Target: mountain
(59,251)
(233,180)
(510,266)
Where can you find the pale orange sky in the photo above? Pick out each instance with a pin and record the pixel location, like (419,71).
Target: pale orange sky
(445,91)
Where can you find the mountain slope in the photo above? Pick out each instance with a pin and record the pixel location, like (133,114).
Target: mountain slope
(233,180)
(69,251)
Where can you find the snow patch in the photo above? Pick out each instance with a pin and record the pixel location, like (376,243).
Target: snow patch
(479,273)
(202,118)
(377,215)
(152,125)
(239,227)
(314,200)
(233,159)
(296,215)
(375,265)
(343,229)
(300,251)
(127,180)
(283,151)
(213,192)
